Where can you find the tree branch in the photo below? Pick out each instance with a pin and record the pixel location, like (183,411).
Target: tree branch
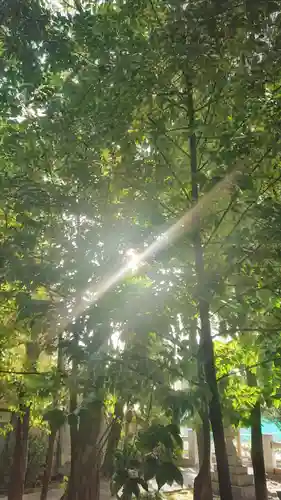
(271,184)
(248,367)
(183,189)
(220,221)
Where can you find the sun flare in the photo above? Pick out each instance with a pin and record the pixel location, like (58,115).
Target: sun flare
(133,259)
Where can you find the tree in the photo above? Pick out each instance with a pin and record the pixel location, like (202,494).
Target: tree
(134,113)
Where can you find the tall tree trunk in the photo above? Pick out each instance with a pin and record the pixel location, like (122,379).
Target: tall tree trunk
(202,484)
(18,469)
(113,440)
(86,482)
(6,455)
(48,465)
(17,476)
(84,479)
(52,436)
(73,425)
(58,452)
(200,444)
(257,446)
(207,349)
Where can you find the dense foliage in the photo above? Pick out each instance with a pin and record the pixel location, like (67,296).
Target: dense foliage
(140,229)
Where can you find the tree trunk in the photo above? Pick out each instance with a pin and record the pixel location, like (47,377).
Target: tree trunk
(6,455)
(257,446)
(53,434)
(17,476)
(200,444)
(202,484)
(113,440)
(58,453)
(48,465)
(207,349)
(73,426)
(86,482)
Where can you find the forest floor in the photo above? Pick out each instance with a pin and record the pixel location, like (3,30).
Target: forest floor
(171,493)
(56,494)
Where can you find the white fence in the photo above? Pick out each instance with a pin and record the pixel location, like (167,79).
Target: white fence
(271,449)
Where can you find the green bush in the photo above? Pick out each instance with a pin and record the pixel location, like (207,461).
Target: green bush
(152,455)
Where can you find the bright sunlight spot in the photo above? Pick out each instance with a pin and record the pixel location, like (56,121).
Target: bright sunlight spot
(134,260)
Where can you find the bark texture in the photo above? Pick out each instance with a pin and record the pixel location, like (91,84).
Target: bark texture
(202,484)
(17,476)
(84,481)
(6,455)
(257,446)
(52,437)
(48,465)
(113,440)
(207,349)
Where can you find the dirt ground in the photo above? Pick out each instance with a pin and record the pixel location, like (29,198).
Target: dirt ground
(274,485)
(171,493)
(188,494)
(56,494)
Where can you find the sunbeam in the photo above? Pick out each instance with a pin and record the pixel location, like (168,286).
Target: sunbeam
(184,224)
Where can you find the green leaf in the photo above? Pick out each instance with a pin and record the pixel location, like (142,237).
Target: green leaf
(56,418)
(132,487)
(143,483)
(72,419)
(161,478)
(175,431)
(168,473)
(150,468)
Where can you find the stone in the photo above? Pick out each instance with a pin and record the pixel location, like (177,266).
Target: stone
(242,483)
(239,493)
(244,479)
